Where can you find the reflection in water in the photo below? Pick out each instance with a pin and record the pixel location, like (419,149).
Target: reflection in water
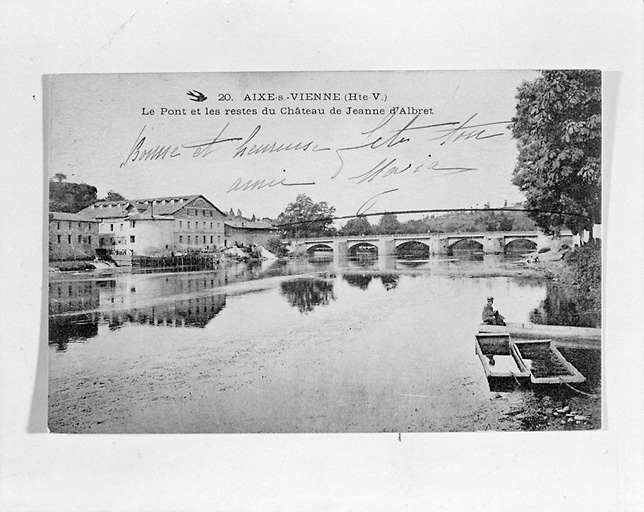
(305,294)
(193,312)
(136,299)
(389,281)
(70,296)
(65,329)
(402,264)
(468,254)
(360,280)
(565,306)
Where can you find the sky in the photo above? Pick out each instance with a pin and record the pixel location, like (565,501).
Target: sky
(142,136)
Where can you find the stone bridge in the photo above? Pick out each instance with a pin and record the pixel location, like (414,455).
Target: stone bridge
(437,243)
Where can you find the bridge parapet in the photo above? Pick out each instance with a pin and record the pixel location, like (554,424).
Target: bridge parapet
(438,243)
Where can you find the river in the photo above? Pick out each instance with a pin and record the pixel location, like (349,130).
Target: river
(308,345)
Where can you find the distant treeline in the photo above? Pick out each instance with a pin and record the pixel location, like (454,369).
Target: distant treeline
(467,221)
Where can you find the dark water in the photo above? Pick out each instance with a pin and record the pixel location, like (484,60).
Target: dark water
(308,345)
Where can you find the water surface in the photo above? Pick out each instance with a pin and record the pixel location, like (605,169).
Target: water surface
(369,345)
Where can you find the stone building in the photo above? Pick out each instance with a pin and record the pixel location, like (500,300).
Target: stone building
(159,226)
(242,231)
(72,236)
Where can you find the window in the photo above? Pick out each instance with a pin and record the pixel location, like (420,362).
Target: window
(58,238)
(188,224)
(210,212)
(204,225)
(180,224)
(80,239)
(211,225)
(121,226)
(189,239)
(57,225)
(133,222)
(180,239)
(89,239)
(203,212)
(69,239)
(70,225)
(80,226)
(211,238)
(204,239)
(111,227)
(132,239)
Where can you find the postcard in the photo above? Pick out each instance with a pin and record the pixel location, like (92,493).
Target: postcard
(324,252)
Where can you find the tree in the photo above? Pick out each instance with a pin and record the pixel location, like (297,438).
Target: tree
(414,226)
(304,218)
(113,196)
(388,224)
(70,197)
(357,226)
(558,129)
(59,176)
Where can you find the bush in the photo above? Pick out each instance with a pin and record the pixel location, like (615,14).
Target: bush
(585,267)
(277,247)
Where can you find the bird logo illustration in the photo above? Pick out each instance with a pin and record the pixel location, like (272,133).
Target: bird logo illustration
(197,96)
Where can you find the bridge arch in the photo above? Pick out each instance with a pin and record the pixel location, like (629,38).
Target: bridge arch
(364,248)
(320,247)
(323,248)
(412,249)
(465,244)
(520,245)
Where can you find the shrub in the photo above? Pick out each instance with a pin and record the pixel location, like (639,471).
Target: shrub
(277,246)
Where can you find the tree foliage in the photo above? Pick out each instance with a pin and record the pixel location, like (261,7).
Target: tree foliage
(466,221)
(70,197)
(558,129)
(357,226)
(112,195)
(388,224)
(305,218)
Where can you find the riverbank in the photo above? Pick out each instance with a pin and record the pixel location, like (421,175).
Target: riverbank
(562,407)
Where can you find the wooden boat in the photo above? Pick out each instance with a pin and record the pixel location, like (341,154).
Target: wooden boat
(498,359)
(544,362)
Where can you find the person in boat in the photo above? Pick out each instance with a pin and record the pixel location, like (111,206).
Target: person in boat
(490,315)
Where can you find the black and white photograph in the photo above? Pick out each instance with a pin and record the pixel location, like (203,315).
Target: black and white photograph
(325,252)
(289,255)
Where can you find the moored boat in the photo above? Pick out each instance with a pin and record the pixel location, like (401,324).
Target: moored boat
(546,364)
(518,361)
(499,361)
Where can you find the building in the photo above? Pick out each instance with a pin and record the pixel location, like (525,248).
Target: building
(72,236)
(242,231)
(158,226)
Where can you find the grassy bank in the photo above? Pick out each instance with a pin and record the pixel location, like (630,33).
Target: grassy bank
(578,285)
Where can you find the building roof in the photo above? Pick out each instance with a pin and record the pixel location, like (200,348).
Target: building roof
(243,223)
(150,206)
(68,216)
